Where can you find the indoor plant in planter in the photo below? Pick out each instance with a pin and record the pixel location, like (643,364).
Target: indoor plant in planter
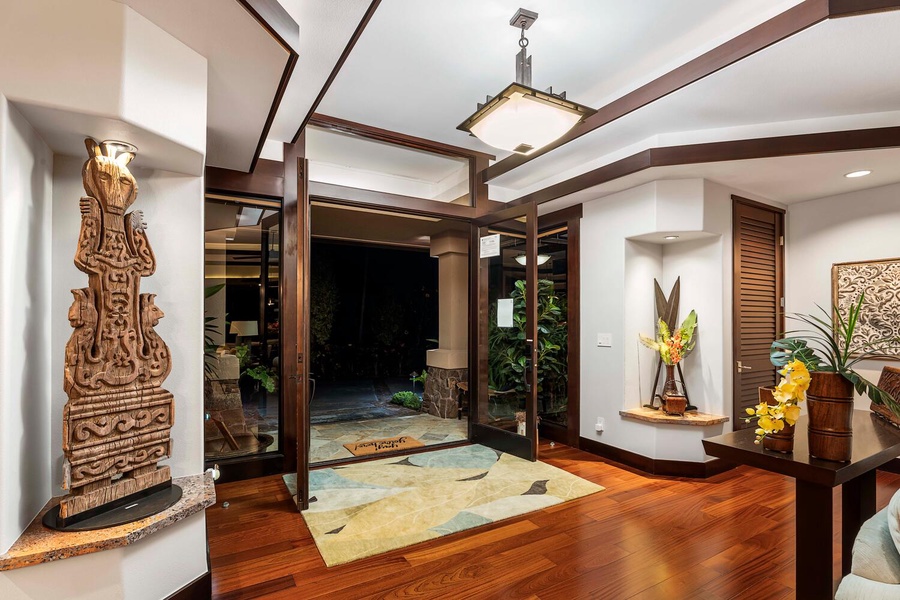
(831,361)
(779,408)
(673,347)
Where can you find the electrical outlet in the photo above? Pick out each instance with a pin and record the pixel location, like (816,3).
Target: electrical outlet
(604,340)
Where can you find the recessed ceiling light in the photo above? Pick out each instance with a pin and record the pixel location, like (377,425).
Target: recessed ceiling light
(858,174)
(229,239)
(671,237)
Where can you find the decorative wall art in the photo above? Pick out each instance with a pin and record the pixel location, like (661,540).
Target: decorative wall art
(117,419)
(880,316)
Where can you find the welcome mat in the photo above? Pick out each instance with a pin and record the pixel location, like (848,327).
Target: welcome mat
(367,447)
(373,507)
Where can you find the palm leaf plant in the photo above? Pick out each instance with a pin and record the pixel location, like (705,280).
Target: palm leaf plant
(826,343)
(210,329)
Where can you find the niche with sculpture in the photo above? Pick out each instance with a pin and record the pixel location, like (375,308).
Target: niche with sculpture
(118,417)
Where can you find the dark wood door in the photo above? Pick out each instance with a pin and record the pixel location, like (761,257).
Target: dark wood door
(503,355)
(758,299)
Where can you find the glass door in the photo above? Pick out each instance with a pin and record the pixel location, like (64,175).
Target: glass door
(504,389)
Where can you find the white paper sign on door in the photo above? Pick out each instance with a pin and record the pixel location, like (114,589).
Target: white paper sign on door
(490,246)
(505,312)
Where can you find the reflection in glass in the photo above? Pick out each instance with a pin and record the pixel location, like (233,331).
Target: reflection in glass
(553,332)
(241,355)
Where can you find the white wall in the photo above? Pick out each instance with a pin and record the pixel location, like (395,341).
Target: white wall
(623,249)
(858,226)
(25,187)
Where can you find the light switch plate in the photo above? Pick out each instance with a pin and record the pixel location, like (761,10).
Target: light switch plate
(604,340)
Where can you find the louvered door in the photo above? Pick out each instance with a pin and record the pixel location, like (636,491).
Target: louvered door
(758,297)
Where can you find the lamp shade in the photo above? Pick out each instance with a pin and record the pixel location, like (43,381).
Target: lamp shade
(541,259)
(521,119)
(244,328)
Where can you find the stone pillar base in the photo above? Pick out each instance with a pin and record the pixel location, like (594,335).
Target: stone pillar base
(440,397)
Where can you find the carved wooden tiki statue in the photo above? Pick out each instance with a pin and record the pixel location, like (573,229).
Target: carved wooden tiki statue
(116,422)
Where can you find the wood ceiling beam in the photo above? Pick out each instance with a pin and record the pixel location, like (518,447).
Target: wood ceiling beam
(351,196)
(284,30)
(394,137)
(771,147)
(357,33)
(782,26)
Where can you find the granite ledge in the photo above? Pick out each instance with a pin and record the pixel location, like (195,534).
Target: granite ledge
(39,544)
(692,418)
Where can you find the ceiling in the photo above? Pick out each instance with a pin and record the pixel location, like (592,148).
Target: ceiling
(378,227)
(419,69)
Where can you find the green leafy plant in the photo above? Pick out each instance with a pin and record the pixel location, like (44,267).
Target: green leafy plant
(210,329)
(407,399)
(826,344)
(418,378)
(506,357)
(264,375)
(242,351)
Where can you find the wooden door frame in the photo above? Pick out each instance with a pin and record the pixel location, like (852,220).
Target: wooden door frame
(571,218)
(735,284)
(478,334)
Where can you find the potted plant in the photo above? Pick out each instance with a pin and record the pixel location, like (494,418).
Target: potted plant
(826,347)
(673,347)
(779,408)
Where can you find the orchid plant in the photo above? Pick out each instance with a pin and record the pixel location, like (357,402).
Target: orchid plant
(788,394)
(673,346)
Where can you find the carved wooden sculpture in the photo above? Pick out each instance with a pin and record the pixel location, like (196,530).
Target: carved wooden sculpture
(116,422)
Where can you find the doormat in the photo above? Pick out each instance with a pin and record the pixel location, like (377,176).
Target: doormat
(367,447)
(373,507)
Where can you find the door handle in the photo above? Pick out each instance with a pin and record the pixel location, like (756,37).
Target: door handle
(741,367)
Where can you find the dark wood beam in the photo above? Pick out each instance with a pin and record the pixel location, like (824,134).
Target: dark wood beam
(771,147)
(782,26)
(278,24)
(267,180)
(351,196)
(396,138)
(357,33)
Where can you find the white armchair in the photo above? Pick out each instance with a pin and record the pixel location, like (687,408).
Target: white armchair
(875,572)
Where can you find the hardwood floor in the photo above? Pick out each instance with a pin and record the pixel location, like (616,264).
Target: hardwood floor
(730,536)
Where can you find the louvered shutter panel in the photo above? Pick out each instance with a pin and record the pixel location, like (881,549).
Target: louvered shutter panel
(757,301)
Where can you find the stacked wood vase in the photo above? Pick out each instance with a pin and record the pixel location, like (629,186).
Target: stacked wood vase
(830,402)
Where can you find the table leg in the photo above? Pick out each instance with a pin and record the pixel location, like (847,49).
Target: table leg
(815,532)
(857,505)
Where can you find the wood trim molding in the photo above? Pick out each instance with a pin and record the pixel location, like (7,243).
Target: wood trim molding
(756,204)
(771,147)
(351,196)
(272,16)
(266,180)
(780,27)
(394,137)
(655,466)
(357,33)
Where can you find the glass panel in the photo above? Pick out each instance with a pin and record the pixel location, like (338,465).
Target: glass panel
(346,159)
(507,393)
(553,367)
(241,356)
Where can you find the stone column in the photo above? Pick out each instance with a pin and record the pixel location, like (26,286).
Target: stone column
(449,362)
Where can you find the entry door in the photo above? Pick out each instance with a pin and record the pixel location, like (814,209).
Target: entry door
(758,299)
(504,386)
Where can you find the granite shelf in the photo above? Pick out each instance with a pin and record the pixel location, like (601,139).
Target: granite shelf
(39,544)
(691,419)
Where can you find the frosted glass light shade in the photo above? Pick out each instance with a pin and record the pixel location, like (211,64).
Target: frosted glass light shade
(521,119)
(541,259)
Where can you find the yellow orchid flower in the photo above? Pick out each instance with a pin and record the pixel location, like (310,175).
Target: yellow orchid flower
(791,414)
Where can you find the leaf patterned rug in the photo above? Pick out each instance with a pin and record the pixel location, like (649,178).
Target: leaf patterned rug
(368,508)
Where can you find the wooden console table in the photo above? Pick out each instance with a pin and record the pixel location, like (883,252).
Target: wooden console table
(874,444)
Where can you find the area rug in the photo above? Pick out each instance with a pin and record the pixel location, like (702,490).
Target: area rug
(367,447)
(366,509)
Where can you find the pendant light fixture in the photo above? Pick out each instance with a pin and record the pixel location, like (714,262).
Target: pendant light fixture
(522,119)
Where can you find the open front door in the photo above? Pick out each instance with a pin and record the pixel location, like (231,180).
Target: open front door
(504,311)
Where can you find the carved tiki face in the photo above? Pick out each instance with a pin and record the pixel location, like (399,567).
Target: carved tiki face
(108,179)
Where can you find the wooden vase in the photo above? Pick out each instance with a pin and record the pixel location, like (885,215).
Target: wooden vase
(830,397)
(674,402)
(781,441)
(890,383)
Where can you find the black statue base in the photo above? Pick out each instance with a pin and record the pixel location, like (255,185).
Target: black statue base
(119,512)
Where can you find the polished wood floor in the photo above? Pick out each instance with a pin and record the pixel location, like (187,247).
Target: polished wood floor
(730,536)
